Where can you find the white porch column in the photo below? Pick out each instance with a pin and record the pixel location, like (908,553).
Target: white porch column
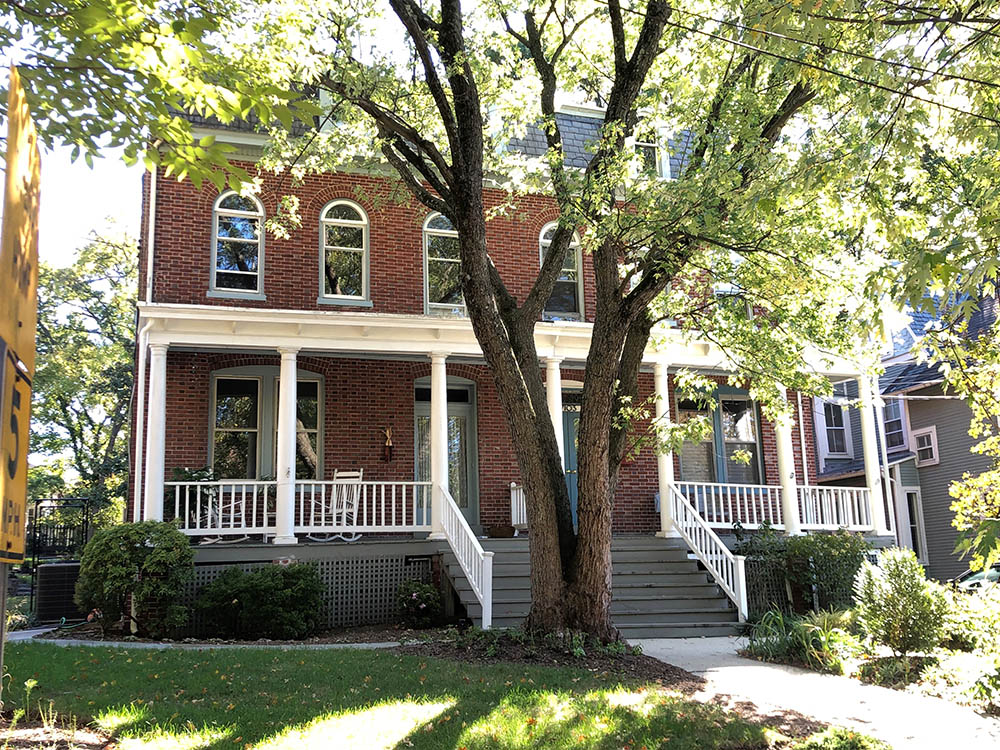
(870,448)
(285,470)
(156,434)
(786,470)
(553,393)
(439,440)
(664,461)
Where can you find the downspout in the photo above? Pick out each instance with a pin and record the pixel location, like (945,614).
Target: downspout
(141,340)
(140,416)
(802,442)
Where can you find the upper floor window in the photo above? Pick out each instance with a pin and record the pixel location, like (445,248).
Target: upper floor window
(344,229)
(895,436)
(837,442)
(566,300)
(237,243)
(651,156)
(442,267)
(925,444)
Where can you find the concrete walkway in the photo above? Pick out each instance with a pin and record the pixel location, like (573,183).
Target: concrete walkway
(904,720)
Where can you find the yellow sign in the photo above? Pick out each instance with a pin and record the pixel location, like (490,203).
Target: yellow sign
(18,317)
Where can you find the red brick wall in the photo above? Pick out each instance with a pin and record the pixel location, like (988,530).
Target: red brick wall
(363,396)
(290,280)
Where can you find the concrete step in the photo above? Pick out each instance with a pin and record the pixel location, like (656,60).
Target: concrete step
(642,619)
(502,568)
(680,630)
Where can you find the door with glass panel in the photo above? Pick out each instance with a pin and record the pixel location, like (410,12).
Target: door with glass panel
(740,453)
(461,442)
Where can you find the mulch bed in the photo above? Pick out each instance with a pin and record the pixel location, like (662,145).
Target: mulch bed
(361,634)
(32,735)
(631,667)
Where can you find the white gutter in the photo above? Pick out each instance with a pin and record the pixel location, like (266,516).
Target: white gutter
(150,235)
(140,417)
(878,405)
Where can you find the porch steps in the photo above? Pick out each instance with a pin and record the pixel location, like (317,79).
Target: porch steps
(658,591)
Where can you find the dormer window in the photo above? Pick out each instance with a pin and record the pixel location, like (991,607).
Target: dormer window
(344,229)
(566,300)
(237,243)
(651,156)
(442,267)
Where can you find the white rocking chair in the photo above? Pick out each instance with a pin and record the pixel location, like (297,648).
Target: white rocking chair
(342,505)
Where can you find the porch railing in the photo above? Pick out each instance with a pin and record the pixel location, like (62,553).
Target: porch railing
(221,508)
(723,505)
(343,507)
(727,569)
(518,509)
(477,564)
(835,507)
(234,508)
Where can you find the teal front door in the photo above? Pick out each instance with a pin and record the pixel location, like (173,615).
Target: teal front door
(571,420)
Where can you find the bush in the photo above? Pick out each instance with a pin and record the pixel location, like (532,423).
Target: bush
(828,565)
(419,604)
(279,602)
(973,621)
(149,562)
(837,738)
(816,642)
(897,606)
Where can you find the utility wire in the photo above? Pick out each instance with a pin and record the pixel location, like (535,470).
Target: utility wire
(839,50)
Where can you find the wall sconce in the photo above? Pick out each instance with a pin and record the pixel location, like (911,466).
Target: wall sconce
(387,446)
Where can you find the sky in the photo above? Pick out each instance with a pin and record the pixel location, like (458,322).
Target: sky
(77,200)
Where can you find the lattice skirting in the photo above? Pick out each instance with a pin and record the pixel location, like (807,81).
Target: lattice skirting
(356,591)
(766,587)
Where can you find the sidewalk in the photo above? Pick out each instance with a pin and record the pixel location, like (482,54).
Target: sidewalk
(904,720)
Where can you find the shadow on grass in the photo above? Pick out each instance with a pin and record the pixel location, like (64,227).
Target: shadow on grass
(281,700)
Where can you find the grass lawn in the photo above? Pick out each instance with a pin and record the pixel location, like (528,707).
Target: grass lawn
(258,698)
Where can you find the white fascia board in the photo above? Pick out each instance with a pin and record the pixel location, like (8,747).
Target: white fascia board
(382,333)
(238,137)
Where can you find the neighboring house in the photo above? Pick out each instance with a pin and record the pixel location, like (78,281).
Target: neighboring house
(927,446)
(333,385)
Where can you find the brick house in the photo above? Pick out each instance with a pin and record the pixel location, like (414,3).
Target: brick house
(393,437)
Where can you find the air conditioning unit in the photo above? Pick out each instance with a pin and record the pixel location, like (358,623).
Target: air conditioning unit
(54,592)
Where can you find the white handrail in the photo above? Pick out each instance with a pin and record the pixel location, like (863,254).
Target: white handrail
(476,563)
(518,508)
(728,570)
(350,506)
(723,505)
(228,507)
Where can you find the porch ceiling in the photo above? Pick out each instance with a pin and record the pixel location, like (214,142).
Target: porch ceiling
(379,334)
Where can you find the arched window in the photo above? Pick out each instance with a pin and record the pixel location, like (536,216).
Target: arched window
(344,242)
(442,267)
(566,301)
(237,243)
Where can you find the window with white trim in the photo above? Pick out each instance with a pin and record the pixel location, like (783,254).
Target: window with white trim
(915,511)
(925,445)
(892,412)
(344,238)
(237,243)
(836,424)
(442,267)
(235,433)
(651,156)
(566,300)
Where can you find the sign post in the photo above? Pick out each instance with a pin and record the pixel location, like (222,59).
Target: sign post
(18,319)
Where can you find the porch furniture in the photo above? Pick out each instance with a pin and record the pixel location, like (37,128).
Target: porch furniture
(341,507)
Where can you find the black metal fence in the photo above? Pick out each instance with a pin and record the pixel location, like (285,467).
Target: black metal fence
(58,530)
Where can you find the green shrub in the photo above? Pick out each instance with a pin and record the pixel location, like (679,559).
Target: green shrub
(149,561)
(815,642)
(838,738)
(828,565)
(280,602)
(973,621)
(895,671)
(419,604)
(897,606)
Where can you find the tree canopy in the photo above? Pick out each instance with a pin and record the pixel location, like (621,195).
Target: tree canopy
(82,391)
